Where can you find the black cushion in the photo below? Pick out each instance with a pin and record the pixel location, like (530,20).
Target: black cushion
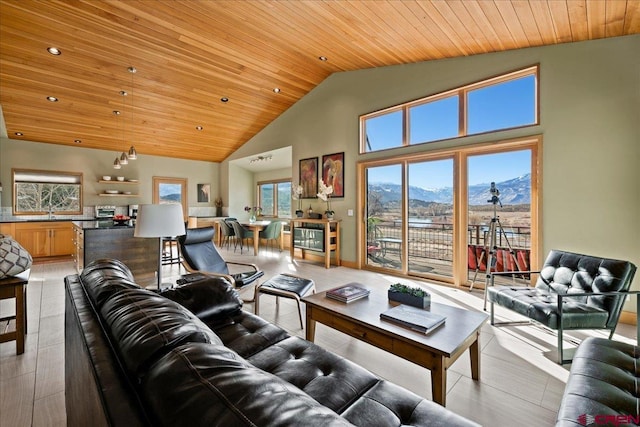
(211,299)
(145,325)
(604,381)
(200,384)
(199,252)
(104,277)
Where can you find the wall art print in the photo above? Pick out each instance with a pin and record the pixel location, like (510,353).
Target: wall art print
(309,177)
(204,193)
(333,173)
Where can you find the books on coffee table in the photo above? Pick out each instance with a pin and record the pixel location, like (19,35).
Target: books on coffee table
(348,293)
(415,318)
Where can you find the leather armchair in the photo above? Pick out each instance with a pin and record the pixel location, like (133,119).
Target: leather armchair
(199,255)
(573,291)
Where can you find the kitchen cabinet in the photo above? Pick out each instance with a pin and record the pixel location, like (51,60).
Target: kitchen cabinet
(7,229)
(103,239)
(44,239)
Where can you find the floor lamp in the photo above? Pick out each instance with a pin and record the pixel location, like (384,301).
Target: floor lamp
(158,221)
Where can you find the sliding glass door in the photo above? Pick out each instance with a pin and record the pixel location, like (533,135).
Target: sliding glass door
(430,219)
(430,215)
(384,216)
(410,221)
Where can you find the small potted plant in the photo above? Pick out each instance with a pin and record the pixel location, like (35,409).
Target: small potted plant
(414,296)
(296,194)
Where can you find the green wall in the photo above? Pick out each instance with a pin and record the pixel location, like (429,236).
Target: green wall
(95,163)
(589,119)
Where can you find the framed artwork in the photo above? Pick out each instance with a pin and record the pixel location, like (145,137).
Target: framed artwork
(309,177)
(333,173)
(204,192)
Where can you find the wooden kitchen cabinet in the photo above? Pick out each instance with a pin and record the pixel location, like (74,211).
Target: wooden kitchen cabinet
(7,229)
(43,239)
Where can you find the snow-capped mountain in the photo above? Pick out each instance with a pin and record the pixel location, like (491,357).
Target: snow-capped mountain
(512,192)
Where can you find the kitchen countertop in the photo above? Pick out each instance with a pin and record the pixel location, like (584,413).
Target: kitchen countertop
(103,224)
(6,219)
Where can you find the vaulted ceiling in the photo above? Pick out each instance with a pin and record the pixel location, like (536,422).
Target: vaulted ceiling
(191,55)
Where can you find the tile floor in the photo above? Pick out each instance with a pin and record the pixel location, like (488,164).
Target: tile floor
(519,378)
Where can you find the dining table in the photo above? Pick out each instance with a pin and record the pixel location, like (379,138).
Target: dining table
(257,227)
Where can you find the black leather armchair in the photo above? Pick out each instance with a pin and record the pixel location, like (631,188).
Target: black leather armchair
(200,255)
(573,291)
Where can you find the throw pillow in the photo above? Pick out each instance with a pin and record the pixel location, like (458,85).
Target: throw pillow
(14,259)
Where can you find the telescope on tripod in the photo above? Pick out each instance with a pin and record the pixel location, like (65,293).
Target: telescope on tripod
(491,247)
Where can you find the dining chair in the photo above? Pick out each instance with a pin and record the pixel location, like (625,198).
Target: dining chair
(272,232)
(242,234)
(226,232)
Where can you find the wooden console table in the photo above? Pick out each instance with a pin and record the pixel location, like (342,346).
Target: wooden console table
(14,287)
(331,229)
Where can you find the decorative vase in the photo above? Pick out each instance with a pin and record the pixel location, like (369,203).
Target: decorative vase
(299,213)
(218,210)
(408,299)
(252,218)
(329,214)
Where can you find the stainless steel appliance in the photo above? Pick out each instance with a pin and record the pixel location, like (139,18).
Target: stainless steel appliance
(105,211)
(133,211)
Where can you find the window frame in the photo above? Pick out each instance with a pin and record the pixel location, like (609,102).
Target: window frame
(462,93)
(78,176)
(159,180)
(460,154)
(275,183)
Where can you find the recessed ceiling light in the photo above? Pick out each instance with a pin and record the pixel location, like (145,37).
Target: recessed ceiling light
(18,134)
(224,99)
(276,90)
(116,112)
(77,141)
(199,128)
(54,51)
(123,93)
(323,58)
(52,99)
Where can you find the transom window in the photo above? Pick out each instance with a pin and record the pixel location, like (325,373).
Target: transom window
(275,198)
(503,102)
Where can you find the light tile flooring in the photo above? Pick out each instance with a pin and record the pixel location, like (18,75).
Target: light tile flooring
(519,378)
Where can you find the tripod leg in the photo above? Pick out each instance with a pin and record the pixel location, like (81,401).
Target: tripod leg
(491,260)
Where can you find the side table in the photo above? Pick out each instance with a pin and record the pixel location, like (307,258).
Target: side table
(14,287)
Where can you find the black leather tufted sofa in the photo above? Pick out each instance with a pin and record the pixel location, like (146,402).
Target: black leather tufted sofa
(603,385)
(191,356)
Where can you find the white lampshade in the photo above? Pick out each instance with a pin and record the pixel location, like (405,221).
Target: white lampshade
(163,220)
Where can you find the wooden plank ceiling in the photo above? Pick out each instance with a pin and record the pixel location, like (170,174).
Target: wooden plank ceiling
(191,54)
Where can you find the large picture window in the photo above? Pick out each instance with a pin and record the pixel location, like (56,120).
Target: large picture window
(429,214)
(503,102)
(42,192)
(275,198)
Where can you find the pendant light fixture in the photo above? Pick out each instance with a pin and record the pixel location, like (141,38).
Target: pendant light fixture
(133,155)
(116,162)
(124,160)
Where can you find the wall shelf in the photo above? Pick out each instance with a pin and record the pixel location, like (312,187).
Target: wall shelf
(102,181)
(118,195)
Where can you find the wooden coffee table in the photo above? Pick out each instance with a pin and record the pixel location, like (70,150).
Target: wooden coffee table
(436,351)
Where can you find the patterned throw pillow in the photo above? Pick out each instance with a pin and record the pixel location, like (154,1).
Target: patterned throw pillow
(14,259)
